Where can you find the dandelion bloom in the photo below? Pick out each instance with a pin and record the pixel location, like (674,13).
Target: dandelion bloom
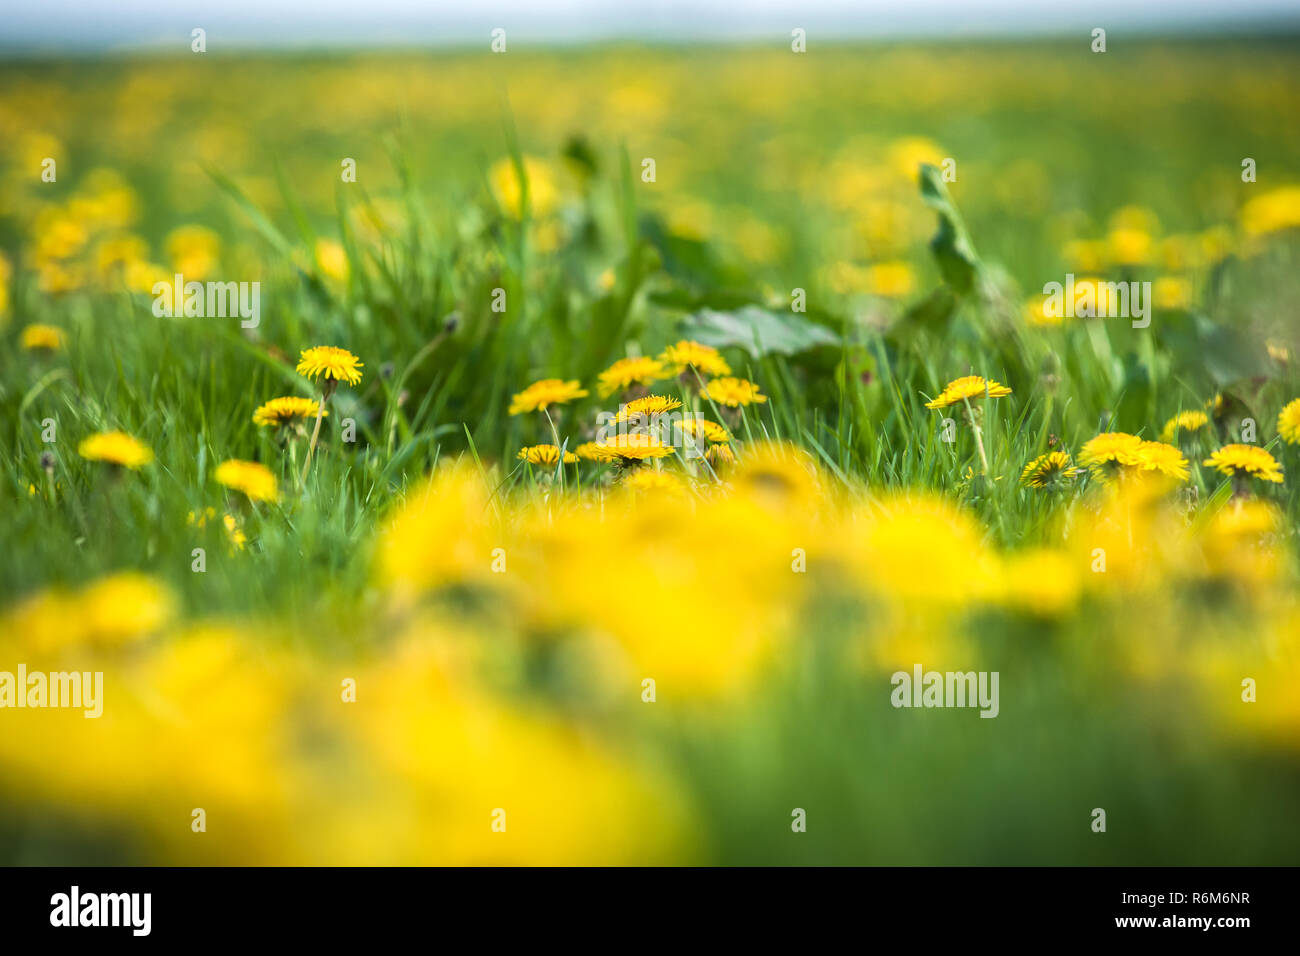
(253,479)
(543,194)
(647,407)
(697,427)
(647,479)
(590,451)
(734,392)
(333,363)
(970,386)
(1109,453)
(44,337)
(635,447)
(117,448)
(286,411)
(1047,470)
(1246,459)
(1162,458)
(549,391)
(687,354)
(544,455)
(631,371)
(1183,422)
(718,455)
(1288,423)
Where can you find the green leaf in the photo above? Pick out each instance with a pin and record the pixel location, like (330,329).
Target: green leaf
(758,331)
(951,245)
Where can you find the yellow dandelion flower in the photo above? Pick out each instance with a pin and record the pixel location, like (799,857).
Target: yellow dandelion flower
(702,427)
(1288,422)
(890,279)
(719,455)
(117,448)
(1249,460)
(543,193)
(335,364)
(544,455)
(1171,292)
(332,259)
(47,338)
(687,354)
(590,451)
(969,386)
(253,479)
(286,411)
(1046,470)
(541,395)
(647,407)
(1165,459)
(635,447)
(649,480)
(1109,453)
(1183,422)
(124,606)
(734,392)
(627,372)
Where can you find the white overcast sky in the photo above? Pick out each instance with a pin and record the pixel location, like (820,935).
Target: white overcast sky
(39,25)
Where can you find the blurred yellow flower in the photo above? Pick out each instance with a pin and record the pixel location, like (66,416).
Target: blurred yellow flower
(117,448)
(543,193)
(541,395)
(686,354)
(37,337)
(627,372)
(252,478)
(1183,422)
(734,392)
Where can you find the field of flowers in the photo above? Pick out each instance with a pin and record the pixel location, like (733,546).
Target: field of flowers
(616,424)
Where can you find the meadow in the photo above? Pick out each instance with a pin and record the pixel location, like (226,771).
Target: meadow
(368,582)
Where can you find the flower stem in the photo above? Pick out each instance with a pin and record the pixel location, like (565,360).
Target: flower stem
(330,385)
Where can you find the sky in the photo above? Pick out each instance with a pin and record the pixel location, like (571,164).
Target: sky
(36,26)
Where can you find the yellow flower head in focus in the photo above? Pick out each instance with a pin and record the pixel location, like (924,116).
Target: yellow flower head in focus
(541,395)
(117,448)
(635,447)
(253,479)
(970,386)
(631,371)
(544,455)
(1250,460)
(734,392)
(1288,422)
(43,337)
(687,354)
(335,364)
(1047,470)
(647,407)
(286,411)
(1109,453)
